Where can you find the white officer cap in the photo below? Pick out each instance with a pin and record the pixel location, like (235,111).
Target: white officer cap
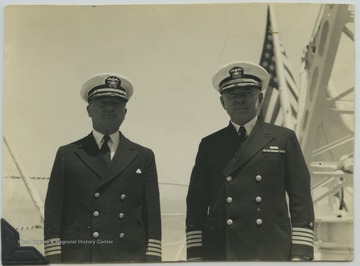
(107,84)
(240,74)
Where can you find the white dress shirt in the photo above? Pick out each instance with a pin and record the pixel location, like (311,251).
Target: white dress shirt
(248,126)
(113,141)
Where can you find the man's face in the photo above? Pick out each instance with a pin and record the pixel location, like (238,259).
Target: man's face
(242,104)
(107,114)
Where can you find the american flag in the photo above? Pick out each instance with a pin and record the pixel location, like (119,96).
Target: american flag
(271,110)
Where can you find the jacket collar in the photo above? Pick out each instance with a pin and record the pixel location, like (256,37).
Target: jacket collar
(256,141)
(89,153)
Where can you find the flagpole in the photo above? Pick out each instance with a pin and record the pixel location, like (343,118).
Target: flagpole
(301,103)
(284,98)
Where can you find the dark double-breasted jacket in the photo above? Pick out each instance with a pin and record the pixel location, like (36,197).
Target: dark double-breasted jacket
(96,212)
(236,203)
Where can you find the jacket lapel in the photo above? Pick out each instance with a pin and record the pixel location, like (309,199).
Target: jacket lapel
(258,138)
(124,155)
(89,153)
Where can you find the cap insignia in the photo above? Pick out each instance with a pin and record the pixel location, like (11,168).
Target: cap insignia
(236,72)
(113,82)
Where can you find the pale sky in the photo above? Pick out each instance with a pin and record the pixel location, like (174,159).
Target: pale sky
(169,52)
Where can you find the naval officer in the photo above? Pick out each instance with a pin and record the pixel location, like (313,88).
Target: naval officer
(102,202)
(236,201)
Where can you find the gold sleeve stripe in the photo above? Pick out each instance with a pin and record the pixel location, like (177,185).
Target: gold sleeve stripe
(194,245)
(309,236)
(194,237)
(151,246)
(52,248)
(52,245)
(52,242)
(303,238)
(304,230)
(153,249)
(155,241)
(194,241)
(155,245)
(194,233)
(153,254)
(53,253)
(303,243)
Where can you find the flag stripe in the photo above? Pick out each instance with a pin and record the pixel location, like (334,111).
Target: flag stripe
(280,118)
(293,111)
(271,110)
(266,102)
(292,90)
(272,99)
(276,111)
(287,66)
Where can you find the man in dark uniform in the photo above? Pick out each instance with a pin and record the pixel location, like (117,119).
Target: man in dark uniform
(236,203)
(102,203)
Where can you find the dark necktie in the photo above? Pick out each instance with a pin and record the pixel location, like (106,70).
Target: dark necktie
(242,134)
(105,150)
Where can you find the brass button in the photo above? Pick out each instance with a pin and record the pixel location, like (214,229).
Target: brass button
(229,199)
(96,213)
(258,199)
(121,215)
(229,222)
(259,221)
(122,235)
(258,178)
(123,196)
(97,194)
(95,234)
(229,179)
